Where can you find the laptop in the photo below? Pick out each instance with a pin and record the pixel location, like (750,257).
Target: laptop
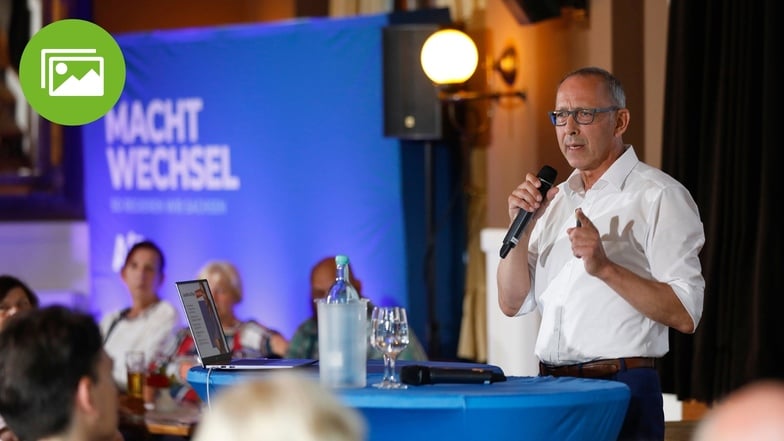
(209,338)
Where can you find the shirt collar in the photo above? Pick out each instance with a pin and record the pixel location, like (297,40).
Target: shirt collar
(615,175)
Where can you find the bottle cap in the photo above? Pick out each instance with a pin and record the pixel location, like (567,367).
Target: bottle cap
(341,259)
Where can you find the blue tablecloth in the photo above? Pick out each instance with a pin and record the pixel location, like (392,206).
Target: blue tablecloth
(521,408)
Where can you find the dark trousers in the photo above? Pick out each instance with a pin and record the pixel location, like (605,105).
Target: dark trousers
(644,419)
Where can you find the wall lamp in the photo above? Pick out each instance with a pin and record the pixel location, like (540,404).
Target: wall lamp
(449,58)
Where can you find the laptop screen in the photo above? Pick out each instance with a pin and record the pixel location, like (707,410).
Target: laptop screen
(203,321)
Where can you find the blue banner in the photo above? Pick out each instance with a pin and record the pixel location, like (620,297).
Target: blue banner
(259,144)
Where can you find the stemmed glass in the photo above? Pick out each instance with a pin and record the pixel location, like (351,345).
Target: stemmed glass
(389,334)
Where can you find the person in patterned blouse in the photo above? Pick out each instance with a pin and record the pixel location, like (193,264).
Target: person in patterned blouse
(247,338)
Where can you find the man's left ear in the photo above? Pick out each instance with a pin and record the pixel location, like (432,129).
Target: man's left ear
(622,121)
(84,395)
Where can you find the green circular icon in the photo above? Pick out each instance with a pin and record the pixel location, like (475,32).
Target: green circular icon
(72,72)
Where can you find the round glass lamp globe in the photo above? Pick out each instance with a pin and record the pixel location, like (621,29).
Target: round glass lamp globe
(449,56)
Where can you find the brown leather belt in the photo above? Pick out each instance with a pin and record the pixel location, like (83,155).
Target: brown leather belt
(598,368)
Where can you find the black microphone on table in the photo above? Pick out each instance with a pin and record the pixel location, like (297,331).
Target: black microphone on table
(418,375)
(546,176)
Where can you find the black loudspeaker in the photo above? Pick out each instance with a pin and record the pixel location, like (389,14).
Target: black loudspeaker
(531,11)
(412,109)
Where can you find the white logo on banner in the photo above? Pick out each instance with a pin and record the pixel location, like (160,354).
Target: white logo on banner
(121,246)
(156,148)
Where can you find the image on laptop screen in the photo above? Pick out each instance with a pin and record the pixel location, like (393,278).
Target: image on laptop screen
(203,319)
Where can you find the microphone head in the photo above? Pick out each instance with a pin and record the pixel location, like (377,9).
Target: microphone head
(547,174)
(418,375)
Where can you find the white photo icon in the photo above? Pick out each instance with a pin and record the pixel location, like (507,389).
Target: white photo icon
(72,72)
(67,72)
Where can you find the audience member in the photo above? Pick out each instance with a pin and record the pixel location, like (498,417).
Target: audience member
(55,378)
(247,338)
(15,297)
(753,412)
(611,257)
(147,325)
(282,406)
(304,343)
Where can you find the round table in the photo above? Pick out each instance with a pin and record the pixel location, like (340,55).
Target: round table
(530,408)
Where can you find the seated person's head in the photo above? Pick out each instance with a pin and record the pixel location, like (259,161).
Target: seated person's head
(753,412)
(225,284)
(143,270)
(15,297)
(322,276)
(55,378)
(283,406)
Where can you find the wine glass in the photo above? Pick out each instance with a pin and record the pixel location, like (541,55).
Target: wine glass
(389,334)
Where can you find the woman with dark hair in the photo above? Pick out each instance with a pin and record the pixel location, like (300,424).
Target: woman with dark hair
(15,297)
(148,324)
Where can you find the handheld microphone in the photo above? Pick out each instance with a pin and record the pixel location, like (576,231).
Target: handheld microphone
(547,176)
(418,375)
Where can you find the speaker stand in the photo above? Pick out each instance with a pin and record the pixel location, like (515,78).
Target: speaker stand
(430,255)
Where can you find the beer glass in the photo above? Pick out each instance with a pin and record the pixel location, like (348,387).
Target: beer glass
(134,364)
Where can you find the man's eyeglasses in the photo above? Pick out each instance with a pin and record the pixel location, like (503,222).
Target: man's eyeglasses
(581,116)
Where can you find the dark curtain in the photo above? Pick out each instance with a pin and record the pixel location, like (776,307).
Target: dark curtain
(723,139)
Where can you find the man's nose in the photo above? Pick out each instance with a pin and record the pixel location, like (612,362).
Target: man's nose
(571,124)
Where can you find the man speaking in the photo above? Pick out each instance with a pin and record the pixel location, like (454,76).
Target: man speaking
(610,257)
